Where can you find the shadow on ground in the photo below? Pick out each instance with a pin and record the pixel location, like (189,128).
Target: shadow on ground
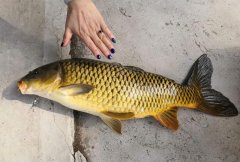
(16,39)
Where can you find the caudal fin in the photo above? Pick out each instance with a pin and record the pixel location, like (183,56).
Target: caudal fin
(213,102)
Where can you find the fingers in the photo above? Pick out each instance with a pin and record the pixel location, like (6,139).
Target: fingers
(84,20)
(89,43)
(66,37)
(99,43)
(107,43)
(107,31)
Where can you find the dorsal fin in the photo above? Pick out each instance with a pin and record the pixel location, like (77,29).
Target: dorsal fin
(116,63)
(134,68)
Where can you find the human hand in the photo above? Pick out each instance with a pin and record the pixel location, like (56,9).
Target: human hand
(84,20)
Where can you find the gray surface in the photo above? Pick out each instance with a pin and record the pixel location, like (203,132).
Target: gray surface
(45,132)
(160,36)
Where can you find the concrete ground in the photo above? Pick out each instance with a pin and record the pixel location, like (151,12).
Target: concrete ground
(160,36)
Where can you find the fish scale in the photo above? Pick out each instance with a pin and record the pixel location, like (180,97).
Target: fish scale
(115,92)
(122,89)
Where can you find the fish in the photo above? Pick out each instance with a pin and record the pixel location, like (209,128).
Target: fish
(115,92)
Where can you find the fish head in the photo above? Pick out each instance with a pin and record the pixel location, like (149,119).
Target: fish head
(42,79)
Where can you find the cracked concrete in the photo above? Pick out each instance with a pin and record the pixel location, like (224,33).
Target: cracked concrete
(159,36)
(78,147)
(43,132)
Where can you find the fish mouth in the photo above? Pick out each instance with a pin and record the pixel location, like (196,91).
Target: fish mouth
(22,86)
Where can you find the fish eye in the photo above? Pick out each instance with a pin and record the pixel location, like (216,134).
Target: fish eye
(35,72)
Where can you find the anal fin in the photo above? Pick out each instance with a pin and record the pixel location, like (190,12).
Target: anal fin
(168,118)
(114,124)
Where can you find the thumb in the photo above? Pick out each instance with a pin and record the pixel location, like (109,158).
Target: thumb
(66,37)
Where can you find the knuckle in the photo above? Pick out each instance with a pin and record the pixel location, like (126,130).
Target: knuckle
(83,36)
(99,42)
(107,42)
(106,51)
(83,31)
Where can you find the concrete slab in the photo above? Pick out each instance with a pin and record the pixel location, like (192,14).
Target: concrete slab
(165,37)
(43,132)
(160,36)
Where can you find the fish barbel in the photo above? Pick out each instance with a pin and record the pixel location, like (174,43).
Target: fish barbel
(115,92)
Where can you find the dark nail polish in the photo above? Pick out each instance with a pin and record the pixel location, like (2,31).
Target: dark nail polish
(112,50)
(62,44)
(110,57)
(98,57)
(113,40)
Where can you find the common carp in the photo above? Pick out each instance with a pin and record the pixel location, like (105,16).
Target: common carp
(115,92)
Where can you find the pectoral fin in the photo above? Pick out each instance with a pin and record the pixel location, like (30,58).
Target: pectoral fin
(114,124)
(168,119)
(75,89)
(120,116)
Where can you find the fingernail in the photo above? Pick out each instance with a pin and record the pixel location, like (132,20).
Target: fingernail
(62,44)
(112,50)
(110,57)
(98,57)
(113,40)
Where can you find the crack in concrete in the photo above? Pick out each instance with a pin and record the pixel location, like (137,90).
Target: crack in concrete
(77,49)
(54,120)
(77,143)
(198,44)
(124,12)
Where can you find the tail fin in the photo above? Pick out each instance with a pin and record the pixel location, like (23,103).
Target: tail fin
(213,102)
